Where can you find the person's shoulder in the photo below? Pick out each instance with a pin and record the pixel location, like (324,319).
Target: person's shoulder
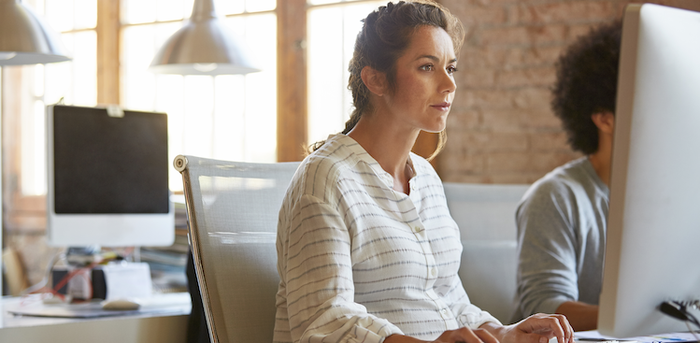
(326,165)
(339,152)
(565,180)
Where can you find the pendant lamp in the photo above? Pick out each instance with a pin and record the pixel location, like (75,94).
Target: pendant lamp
(203,46)
(25,38)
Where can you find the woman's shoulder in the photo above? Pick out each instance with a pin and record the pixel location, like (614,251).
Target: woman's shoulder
(326,165)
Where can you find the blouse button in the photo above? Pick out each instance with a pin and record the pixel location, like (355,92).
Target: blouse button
(416,228)
(433,272)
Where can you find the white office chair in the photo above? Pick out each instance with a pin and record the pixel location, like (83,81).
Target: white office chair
(485,214)
(232,212)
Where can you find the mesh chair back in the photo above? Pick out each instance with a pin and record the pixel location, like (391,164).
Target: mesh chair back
(232,210)
(485,214)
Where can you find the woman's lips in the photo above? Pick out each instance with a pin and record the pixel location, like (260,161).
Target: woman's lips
(444,106)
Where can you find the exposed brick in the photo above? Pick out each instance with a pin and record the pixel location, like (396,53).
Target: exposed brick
(543,119)
(564,12)
(507,162)
(532,98)
(522,120)
(523,35)
(541,76)
(463,120)
(509,141)
(503,119)
(463,163)
(463,100)
(481,57)
(454,5)
(533,56)
(476,77)
(549,141)
(478,16)
(492,99)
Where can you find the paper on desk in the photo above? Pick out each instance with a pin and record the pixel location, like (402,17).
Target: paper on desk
(676,337)
(128,280)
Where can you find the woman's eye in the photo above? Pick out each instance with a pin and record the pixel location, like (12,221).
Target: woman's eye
(427,67)
(451,69)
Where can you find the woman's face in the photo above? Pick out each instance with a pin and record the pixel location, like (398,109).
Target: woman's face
(425,86)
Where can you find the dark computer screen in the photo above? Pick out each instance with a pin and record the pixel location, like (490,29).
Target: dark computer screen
(109,165)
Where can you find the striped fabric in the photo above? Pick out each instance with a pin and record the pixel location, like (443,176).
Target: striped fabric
(359,261)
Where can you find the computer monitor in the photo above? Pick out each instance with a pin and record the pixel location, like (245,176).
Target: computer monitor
(107,178)
(653,238)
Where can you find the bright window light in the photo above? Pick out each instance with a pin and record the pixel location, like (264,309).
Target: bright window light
(331,38)
(229,117)
(73,82)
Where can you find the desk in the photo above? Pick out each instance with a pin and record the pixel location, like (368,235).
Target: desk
(170,327)
(673,337)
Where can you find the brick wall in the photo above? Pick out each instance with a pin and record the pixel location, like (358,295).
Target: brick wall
(501,129)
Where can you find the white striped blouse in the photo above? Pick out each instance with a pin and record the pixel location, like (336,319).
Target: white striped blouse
(359,261)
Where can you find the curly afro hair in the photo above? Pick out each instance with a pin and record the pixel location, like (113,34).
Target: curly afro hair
(587,83)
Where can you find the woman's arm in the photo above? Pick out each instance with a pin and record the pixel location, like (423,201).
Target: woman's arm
(319,279)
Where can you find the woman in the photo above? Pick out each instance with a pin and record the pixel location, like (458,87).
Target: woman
(367,250)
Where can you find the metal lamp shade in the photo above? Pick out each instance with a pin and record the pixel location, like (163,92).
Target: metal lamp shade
(25,38)
(204,46)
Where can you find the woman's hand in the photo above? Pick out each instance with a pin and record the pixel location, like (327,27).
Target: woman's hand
(466,335)
(461,335)
(538,328)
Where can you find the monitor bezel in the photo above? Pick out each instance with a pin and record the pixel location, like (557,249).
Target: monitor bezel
(114,230)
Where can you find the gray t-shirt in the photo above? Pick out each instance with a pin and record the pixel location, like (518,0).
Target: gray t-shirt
(561,239)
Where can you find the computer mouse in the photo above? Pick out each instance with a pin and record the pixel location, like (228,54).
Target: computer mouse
(120,305)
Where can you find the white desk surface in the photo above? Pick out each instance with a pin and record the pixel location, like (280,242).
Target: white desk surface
(163,326)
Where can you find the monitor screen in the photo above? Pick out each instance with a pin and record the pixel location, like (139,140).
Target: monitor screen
(653,238)
(108,177)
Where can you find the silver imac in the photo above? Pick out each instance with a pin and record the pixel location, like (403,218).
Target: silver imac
(653,238)
(107,178)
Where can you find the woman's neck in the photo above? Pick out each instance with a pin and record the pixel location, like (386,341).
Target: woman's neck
(388,146)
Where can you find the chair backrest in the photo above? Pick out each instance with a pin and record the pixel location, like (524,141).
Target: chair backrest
(232,210)
(485,215)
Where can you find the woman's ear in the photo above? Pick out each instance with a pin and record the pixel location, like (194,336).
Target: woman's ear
(374,80)
(605,121)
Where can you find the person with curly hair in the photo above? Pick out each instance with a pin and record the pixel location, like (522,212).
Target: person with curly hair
(562,218)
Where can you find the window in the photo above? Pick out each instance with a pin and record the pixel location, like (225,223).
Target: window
(230,117)
(332,29)
(226,117)
(41,85)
